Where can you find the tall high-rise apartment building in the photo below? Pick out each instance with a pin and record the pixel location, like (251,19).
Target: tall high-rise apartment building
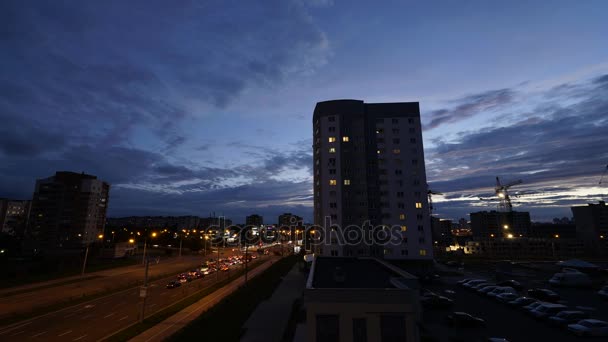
(68,210)
(369,168)
(254,220)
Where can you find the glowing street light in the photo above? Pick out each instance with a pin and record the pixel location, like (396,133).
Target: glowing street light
(100,236)
(131,240)
(510,236)
(506,226)
(557,236)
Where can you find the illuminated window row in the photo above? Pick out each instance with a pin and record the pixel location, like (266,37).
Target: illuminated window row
(335,182)
(344,139)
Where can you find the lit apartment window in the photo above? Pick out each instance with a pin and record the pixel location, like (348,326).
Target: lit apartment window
(332,150)
(345,139)
(404,228)
(347,182)
(402,216)
(423,252)
(333,182)
(332,139)
(418,205)
(396,151)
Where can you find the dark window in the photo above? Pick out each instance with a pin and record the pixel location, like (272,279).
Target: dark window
(412,130)
(359,328)
(420,228)
(328,327)
(331,119)
(392,328)
(401,205)
(400,194)
(395,121)
(395,130)
(398,172)
(333,205)
(410,120)
(379,120)
(413,140)
(414,161)
(332,171)
(395,141)
(332,129)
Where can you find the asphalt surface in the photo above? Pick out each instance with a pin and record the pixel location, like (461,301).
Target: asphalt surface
(99,318)
(501,320)
(104,281)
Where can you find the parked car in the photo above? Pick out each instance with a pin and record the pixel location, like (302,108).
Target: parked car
(174,284)
(603,292)
(436,301)
(589,327)
(547,310)
(506,297)
(531,306)
(544,295)
(572,279)
(501,290)
(465,280)
(564,318)
(463,319)
(521,301)
(486,288)
(474,282)
(511,283)
(479,286)
(182,280)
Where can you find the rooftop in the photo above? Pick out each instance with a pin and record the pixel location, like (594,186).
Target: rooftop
(333,272)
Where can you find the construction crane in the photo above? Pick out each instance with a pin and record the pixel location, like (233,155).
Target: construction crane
(502,193)
(430,194)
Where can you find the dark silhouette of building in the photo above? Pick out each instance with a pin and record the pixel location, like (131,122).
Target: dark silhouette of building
(552,230)
(254,220)
(441,231)
(68,210)
(289,220)
(499,224)
(592,225)
(369,168)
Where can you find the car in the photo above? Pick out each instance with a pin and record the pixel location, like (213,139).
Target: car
(511,283)
(589,327)
(436,301)
(521,301)
(486,289)
(506,297)
(174,284)
(603,292)
(463,319)
(501,290)
(572,279)
(563,318)
(478,286)
(545,295)
(474,282)
(547,310)
(182,280)
(465,280)
(531,306)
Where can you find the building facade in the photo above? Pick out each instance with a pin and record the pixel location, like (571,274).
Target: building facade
(361,299)
(289,220)
(68,210)
(369,172)
(499,224)
(14,216)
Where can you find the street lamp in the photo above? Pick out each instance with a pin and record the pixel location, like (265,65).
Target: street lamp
(86,255)
(143,260)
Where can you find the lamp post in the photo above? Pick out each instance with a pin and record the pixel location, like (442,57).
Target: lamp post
(143,261)
(86,255)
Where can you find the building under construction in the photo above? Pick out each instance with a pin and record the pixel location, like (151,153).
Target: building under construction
(500,224)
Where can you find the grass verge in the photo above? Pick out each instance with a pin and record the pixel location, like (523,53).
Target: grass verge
(219,323)
(160,316)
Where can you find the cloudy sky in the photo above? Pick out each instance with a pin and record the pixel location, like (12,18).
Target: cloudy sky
(192,107)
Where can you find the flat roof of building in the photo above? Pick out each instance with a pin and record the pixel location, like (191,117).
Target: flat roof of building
(350,272)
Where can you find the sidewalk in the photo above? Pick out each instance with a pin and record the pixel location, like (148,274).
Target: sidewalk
(54,292)
(278,306)
(178,321)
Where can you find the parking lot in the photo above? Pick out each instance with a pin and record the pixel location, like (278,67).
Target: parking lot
(503,321)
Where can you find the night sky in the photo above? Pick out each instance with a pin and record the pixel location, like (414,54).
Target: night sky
(193,107)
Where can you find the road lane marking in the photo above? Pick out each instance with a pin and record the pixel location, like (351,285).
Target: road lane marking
(65,333)
(38,334)
(19,332)
(151,305)
(70,315)
(173,295)
(14,328)
(76,339)
(124,318)
(87,316)
(106,316)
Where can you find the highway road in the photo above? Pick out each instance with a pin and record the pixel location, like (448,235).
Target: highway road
(102,282)
(99,318)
